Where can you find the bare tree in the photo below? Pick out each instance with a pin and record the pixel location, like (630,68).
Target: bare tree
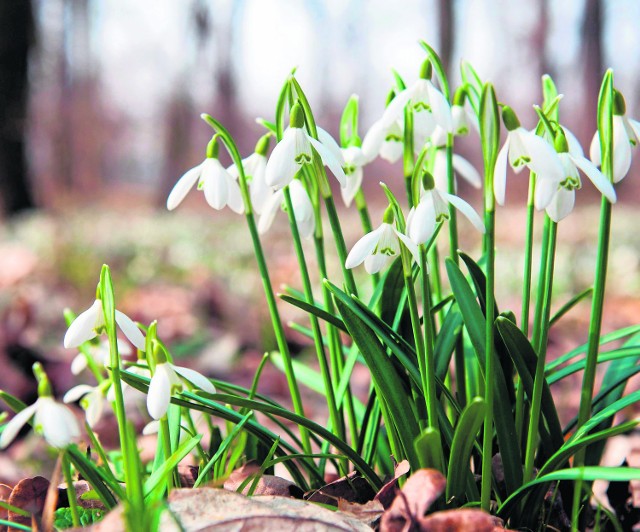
(592,29)
(16,39)
(446,21)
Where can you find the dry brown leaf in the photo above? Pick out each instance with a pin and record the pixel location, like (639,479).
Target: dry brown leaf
(412,502)
(28,494)
(266,485)
(459,521)
(369,513)
(214,509)
(387,493)
(352,488)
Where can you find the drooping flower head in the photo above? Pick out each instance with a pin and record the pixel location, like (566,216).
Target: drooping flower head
(563,193)
(433,208)
(90,324)
(302,209)
(381,246)
(51,419)
(255,167)
(219,187)
(626,134)
(523,148)
(296,149)
(429,106)
(168,379)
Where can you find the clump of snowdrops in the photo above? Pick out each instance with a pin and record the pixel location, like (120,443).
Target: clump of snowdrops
(458,384)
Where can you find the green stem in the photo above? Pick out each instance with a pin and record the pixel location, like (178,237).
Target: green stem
(341,247)
(429,380)
(541,348)
(451,188)
(315,326)
(166,447)
(487,440)
(71,490)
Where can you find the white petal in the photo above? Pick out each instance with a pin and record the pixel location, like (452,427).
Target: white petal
(596,177)
(363,248)
(77,392)
(410,244)
(373,141)
(58,424)
(544,158)
(195,378)
(460,120)
(594,150)
(466,209)
(78,364)
(575,149)
(440,108)
(354,180)
(183,186)
(260,191)
(466,170)
(159,394)
(95,407)
(421,222)
(83,327)
(330,160)
(391,150)
(130,330)
(18,421)
(153,427)
(562,204)
(394,110)
(234,198)
(375,263)
(269,210)
(281,166)
(302,209)
(545,190)
(214,184)
(500,174)
(621,150)
(634,125)
(329,142)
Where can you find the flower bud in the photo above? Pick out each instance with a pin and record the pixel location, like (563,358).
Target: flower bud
(426,70)
(296,118)
(509,118)
(262,146)
(619,105)
(388,217)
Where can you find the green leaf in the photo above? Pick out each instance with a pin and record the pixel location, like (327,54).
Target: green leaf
(158,477)
(570,304)
(524,357)
(387,382)
(446,339)
(439,69)
(349,121)
(428,447)
(93,476)
(468,426)
(489,126)
(314,310)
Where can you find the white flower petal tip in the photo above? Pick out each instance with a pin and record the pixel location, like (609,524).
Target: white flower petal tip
(378,248)
(183,186)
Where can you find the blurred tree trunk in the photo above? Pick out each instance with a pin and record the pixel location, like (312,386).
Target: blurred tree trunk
(539,39)
(16,39)
(446,21)
(592,29)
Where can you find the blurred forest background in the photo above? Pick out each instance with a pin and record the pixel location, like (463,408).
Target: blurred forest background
(101,95)
(99,116)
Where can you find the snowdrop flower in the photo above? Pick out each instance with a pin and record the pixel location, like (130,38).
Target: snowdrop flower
(433,208)
(563,196)
(100,354)
(93,400)
(383,140)
(626,133)
(168,379)
(302,209)
(91,323)
(255,167)
(354,159)
(128,391)
(430,107)
(296,149)
(380,247)
(524,148)
(53,420)
(220,188)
